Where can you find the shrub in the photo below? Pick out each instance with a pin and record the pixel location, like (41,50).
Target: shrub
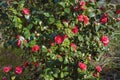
(60,38)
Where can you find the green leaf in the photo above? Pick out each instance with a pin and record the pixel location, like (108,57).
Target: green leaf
(91,14)
(117,24)
(25,44)
(58,24)
(65,24)
(56,71)
(66,73)
(61,49)
(47,14)
(62,4)
(51,20)
(80,38)
(26,33)
(44,48)
(111,13)
(60,59)
(55,75)
(13,77)
(47,77)
(67,10)
(97,28)
(30,26)
(2,2)
(66,43)
(14,2)
(69,32)
(100,3)
(61,75)
(21,6)
(32,43)
(34,58)
(65,68)
(66,60)
(20,26)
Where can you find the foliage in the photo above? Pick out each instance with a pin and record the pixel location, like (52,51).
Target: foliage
(61,39)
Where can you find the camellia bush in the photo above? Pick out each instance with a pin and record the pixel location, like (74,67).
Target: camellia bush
(61,39)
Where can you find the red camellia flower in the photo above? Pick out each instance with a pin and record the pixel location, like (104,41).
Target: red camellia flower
(52,43)
(36,63)
(65,36)
(35,48)
(118,11)
(76,8)
(19,42)
(18,36)
(4,78)
(82,66)
(26,11)
(83,18)
(7,69)
(98,69)
(118,19)
(59,56)
(104,19)
(102,8)
(86,20)
(26,64)
(82,7)
(58,39)
(96,74)
(73,46)
(80,18)
(105,40)
(18,69)
(75,29)
(82,3)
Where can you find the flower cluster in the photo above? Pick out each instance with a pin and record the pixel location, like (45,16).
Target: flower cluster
(97,72)
(83,18)
(18,69)
(60,40)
